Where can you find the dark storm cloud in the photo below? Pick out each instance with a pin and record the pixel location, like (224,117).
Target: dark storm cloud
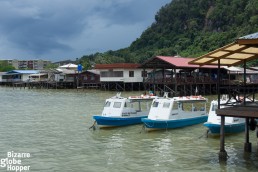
(58,28)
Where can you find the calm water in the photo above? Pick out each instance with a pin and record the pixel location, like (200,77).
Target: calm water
(52,125)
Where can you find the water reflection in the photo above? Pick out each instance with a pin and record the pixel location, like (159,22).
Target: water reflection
(114,149)
(163,149)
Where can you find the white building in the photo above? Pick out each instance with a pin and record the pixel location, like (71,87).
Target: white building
(121,72)
(121,76)
(28,64)
(18,75)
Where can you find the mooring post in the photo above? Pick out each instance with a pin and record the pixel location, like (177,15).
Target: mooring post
(248,145)
(222,154)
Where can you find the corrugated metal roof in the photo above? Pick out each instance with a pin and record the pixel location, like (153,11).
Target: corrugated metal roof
(23,71)
(250,36)
(169,62)
(94,72)
(117,66)
(67,71)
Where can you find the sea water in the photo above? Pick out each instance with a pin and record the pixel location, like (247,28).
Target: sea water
(51,127)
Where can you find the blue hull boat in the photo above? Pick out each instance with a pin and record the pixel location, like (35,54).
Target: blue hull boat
(176,112)
(175,123)
(117,121)
(232,124)
(121,111)
(231,128)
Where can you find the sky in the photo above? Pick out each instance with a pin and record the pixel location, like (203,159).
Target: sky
(59,30)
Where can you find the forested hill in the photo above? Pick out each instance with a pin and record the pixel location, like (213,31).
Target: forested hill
(188,28)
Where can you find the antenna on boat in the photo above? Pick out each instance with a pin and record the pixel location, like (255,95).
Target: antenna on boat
(118,94)
(165,95)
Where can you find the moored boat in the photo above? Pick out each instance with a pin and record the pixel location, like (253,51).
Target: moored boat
(121,111)
(176,112)
(232,124)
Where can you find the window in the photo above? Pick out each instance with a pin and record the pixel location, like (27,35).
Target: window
(107,104)
(144,73)
(166,105)
(111,74)
(214,107)
(117,105)
(155,104)
(131,73)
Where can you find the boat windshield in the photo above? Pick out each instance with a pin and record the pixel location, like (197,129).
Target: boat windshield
(214,107)
(107,104)
(155,104)
(166,105)
(117,104)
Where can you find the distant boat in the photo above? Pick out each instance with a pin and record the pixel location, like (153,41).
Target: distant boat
(120,111)
(232,124)
(176,112)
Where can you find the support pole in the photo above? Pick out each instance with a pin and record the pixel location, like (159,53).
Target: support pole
(222,153)
(248,146)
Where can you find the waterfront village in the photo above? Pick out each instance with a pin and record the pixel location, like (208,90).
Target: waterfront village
(159,74)
(216,72)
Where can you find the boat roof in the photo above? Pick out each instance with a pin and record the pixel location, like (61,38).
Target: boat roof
(141,98)
(188,99)
(133,98)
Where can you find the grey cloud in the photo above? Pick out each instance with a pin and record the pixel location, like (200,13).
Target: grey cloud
(45,26)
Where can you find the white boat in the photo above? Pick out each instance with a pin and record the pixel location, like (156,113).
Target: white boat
(121,111)
(232,124)
(176,112)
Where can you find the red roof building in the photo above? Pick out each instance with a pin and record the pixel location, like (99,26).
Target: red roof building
(169,62)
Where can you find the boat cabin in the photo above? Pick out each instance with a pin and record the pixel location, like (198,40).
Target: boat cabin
(126,107)
(217,119)
(177,107)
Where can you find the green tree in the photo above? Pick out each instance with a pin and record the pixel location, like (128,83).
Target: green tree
(189,28)
(4,66)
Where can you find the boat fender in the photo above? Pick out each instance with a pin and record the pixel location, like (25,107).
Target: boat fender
(252,124)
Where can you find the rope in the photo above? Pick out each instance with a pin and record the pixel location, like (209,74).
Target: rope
(93,126)
(143,129)
(205,134)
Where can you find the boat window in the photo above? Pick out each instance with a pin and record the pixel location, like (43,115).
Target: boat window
(166,105)
(107,104)
(176,105)
(214,107)
(155,104)
(117,105)
(187,107)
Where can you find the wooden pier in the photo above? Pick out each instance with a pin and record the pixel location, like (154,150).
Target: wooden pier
(239,52)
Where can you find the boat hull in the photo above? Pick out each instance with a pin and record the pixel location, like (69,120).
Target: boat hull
(103,121)
(169,124)
(228,128)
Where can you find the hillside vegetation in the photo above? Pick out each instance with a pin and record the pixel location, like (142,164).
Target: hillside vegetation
(188,28)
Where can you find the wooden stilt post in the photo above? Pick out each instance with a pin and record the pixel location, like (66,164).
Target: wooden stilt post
(248,146)
(222,153)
